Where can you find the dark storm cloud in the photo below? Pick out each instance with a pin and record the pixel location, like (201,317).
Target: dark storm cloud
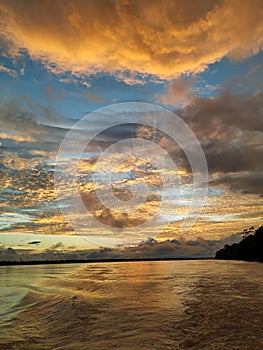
(230,129)
(251,182)
(241,111)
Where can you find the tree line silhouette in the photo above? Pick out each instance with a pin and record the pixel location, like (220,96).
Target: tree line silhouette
(250,248)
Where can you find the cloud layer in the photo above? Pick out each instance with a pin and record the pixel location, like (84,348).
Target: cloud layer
(164,38)
(149,249)
(228,126)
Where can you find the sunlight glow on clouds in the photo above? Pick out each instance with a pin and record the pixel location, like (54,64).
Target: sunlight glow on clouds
(62,59)
(163,38)
(228,126)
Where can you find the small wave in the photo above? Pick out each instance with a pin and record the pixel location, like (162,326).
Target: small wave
(157,306)
(10,302)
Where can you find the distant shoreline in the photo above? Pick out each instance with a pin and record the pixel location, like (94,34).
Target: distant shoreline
(49,262)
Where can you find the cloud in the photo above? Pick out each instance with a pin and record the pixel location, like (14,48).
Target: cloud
(228,125)
(17,138)
(230,129)
(149,249)
(245,182)
(57,246)
(27,155)
(23,121)
(179,92)
(9,71)
(164,38)
(18,121)
(51,94)
(93,98)
(242,111)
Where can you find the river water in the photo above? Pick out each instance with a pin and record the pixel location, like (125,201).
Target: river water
(199,304)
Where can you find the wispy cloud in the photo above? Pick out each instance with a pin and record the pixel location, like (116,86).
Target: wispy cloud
(9,71)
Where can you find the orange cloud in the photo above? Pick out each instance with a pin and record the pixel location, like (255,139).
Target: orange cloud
(164,38)
(179,92)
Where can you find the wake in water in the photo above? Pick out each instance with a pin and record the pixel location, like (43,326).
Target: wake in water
(146,305)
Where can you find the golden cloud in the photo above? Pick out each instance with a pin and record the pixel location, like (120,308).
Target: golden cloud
(163,38)
(16,138)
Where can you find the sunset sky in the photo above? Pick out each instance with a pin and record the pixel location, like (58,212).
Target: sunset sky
(60,60)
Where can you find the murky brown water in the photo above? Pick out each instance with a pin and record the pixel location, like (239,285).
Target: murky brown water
(141,305)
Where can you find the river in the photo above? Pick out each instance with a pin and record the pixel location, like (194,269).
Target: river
(195,304)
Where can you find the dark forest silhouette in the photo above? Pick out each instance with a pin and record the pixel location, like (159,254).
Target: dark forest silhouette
(250,248)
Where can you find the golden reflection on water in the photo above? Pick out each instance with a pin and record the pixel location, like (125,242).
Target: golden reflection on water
(133,305)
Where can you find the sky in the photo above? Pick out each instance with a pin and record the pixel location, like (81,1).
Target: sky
(62,60)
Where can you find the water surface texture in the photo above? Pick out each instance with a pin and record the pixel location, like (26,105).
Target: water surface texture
(135,305)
